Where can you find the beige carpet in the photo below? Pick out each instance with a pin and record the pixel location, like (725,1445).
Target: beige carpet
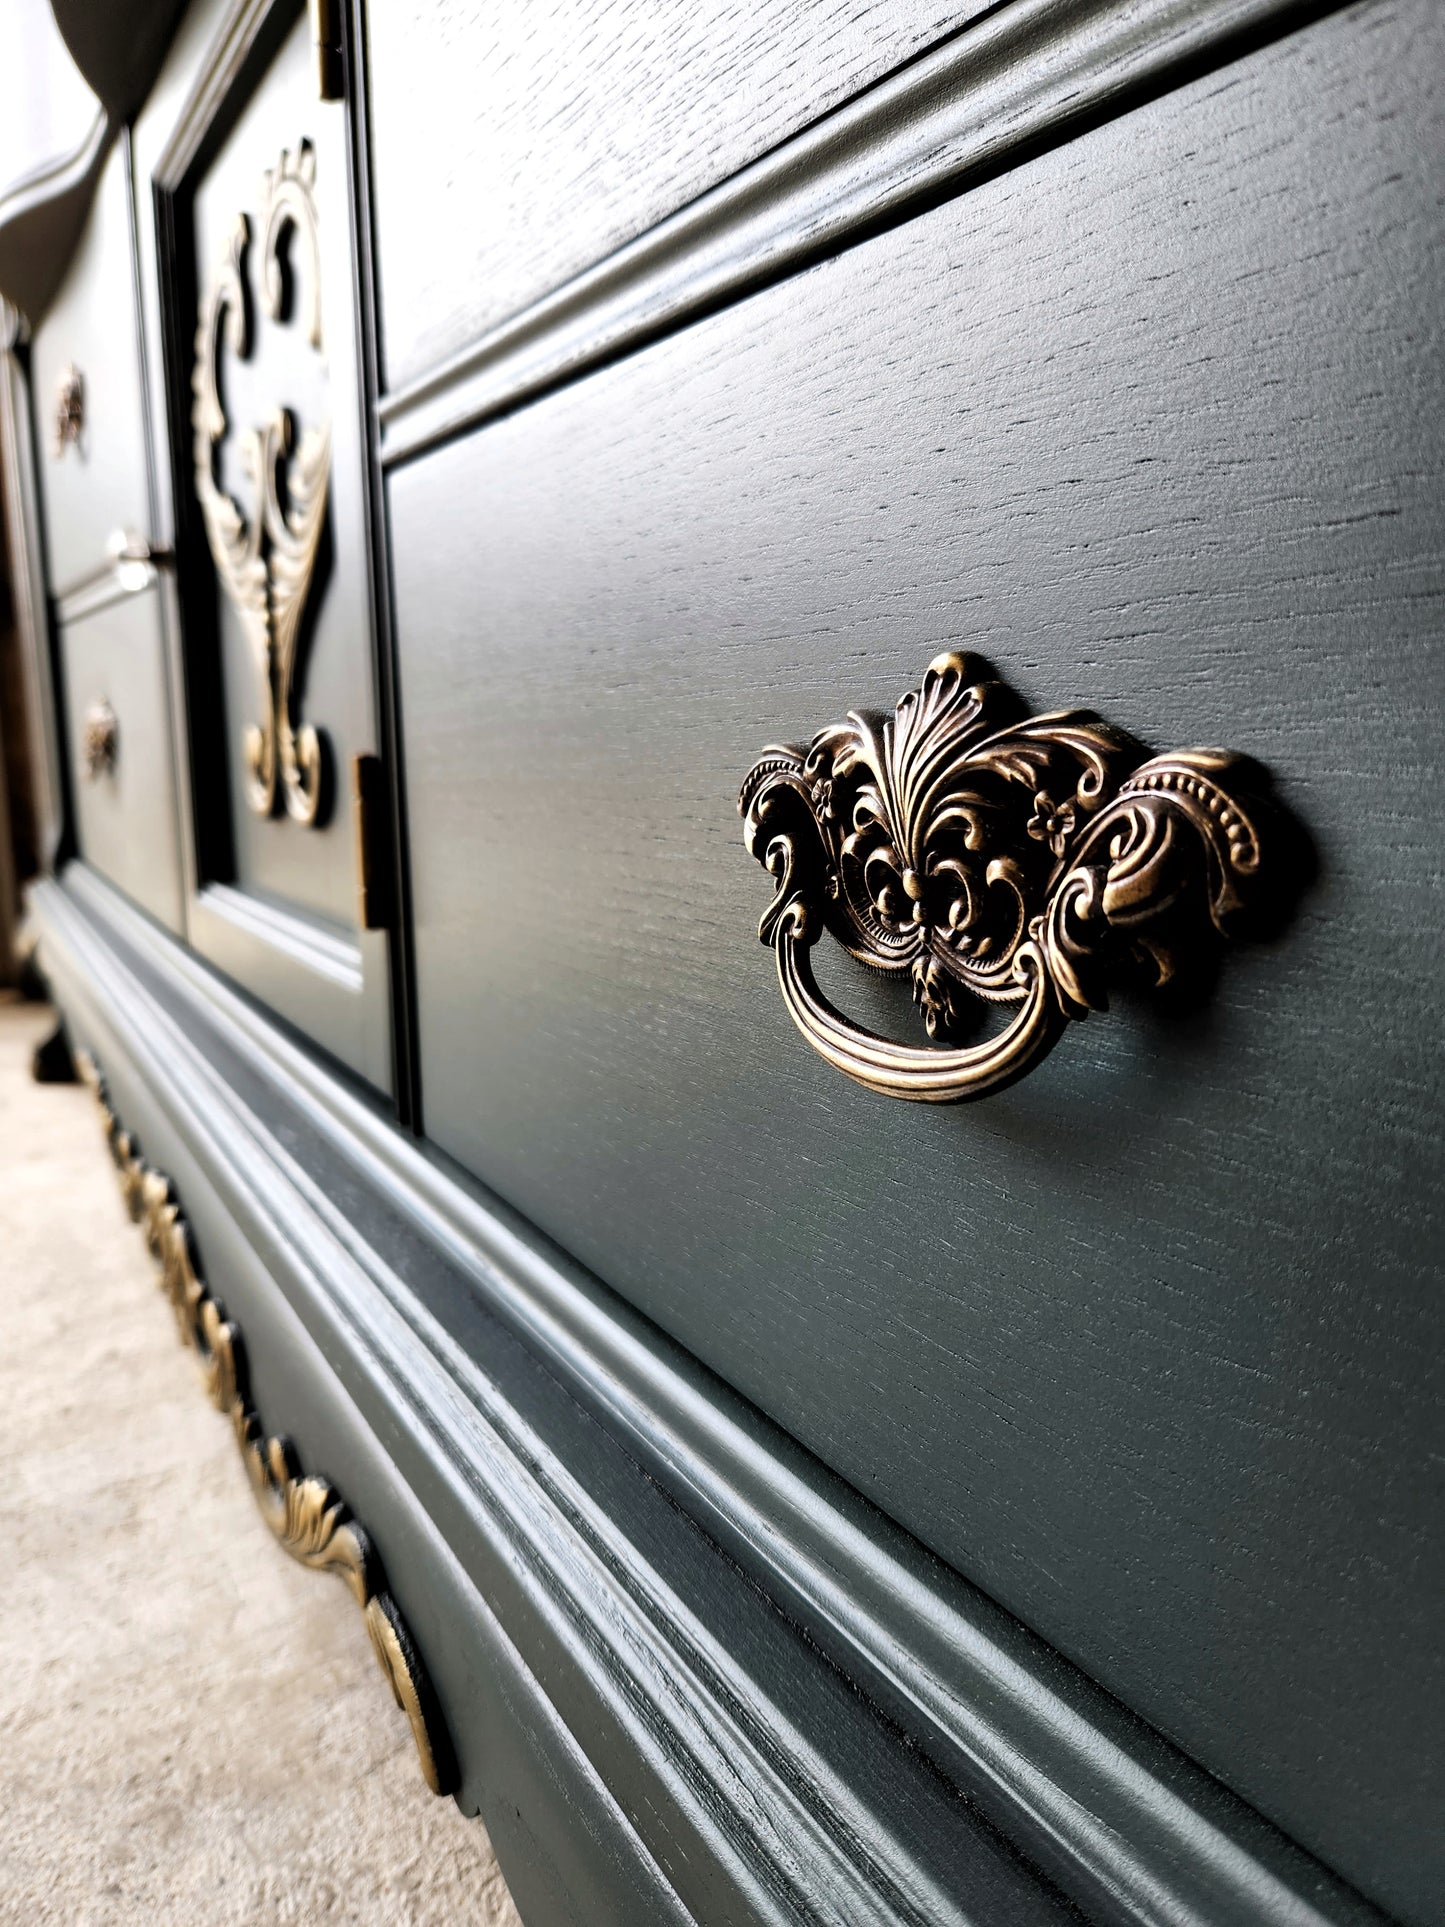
(192,1727)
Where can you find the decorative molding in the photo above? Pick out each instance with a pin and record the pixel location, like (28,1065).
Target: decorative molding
(69,421)
(305,1513)
(1026,75)
(331,954)
(266,564)
(990,856)
(41,217)
(242,35)
(1123,1823)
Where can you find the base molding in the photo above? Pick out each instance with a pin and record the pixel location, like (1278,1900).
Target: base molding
(685,1672)
(306,1514)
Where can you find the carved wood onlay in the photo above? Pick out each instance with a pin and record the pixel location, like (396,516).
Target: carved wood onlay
(306,1514)
(266,561)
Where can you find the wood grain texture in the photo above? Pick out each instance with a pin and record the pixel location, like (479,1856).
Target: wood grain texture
(1131,1831)
(570,128)
(1027,75)
(1147,1346)
(728,1774)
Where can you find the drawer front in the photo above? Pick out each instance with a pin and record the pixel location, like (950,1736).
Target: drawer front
(1142,1345)
(586,122)
(121,760)
(88,398)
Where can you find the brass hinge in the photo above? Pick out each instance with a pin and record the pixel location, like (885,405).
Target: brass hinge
(326,39)
(375,871)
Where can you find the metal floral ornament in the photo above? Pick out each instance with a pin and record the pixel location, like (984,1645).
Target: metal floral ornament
(990,857)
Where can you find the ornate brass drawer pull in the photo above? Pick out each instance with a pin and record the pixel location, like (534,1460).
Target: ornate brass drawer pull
(69,410)
(100,741)
(989,855)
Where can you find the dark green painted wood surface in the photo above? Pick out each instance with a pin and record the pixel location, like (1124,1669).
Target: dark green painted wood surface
(649,1738)
(237,89)
(1147,1345)
(587,122)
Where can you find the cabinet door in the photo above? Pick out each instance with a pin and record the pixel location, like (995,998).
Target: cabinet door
(271,515)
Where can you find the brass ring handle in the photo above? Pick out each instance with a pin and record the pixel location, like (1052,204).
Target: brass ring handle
(989,855)
(928,1076)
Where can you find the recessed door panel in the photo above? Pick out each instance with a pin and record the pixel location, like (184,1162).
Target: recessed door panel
(278,625)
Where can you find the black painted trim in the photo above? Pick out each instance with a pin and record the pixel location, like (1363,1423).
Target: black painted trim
(182,826)
(805,1716)
(23,513)
(48,638)
(406,1080)
(248,36)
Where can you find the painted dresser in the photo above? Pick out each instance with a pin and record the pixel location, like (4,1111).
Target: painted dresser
(933,1417)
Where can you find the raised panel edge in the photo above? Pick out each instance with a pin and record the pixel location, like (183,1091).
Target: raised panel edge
(1112,1815)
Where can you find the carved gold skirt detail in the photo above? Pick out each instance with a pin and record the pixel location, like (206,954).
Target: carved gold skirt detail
(307,1514)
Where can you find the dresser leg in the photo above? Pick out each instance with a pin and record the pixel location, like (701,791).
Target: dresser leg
(52,1062)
